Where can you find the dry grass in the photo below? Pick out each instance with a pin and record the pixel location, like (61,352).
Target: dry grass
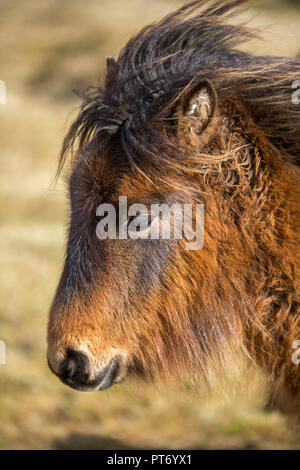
(47,48)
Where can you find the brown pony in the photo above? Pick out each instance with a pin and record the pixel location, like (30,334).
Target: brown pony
(184,117)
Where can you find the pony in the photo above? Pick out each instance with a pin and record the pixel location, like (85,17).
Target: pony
(184,117)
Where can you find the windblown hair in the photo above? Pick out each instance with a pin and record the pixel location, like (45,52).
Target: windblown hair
(162,307)
(166,59)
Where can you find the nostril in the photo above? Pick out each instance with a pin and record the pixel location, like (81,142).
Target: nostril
(75,367)
(70,368)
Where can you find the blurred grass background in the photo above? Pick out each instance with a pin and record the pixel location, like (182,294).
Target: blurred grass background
(46,49)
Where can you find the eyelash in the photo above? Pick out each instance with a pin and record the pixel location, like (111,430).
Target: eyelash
(133,218)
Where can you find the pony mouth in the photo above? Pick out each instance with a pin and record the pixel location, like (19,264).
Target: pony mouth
(106,378)
(113,373)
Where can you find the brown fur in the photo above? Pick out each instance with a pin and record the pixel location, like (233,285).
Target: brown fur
(168,309)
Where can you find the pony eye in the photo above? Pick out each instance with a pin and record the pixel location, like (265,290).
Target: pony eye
(140,223)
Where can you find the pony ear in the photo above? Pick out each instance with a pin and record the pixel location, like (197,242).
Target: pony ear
(111,72)
(196,109)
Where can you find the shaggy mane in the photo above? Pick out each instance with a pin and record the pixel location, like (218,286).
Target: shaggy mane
(154,69)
